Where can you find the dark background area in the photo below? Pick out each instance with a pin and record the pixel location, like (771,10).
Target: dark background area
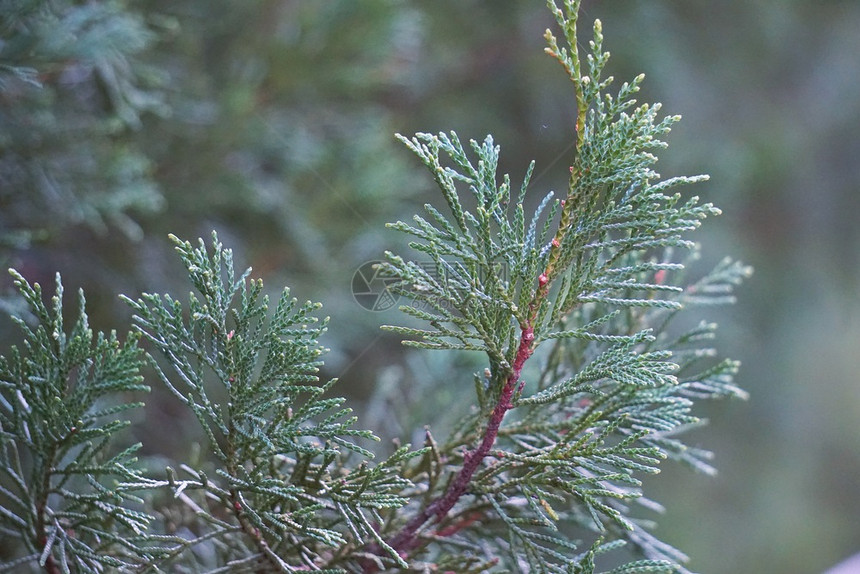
(272,122)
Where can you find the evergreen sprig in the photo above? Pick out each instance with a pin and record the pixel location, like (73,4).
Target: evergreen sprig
(589,382)
(465,290)
(280,489)
(62,399)
(593,281)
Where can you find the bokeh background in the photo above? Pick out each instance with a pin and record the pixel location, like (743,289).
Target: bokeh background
(272,122)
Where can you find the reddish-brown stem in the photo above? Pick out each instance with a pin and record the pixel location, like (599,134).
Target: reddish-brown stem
(452,529)
(406,539)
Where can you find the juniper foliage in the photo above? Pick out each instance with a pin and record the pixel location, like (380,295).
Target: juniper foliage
(590,379)
(277,493)
(593,281)
(62,399)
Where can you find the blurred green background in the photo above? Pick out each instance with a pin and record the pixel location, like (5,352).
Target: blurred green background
(273,121)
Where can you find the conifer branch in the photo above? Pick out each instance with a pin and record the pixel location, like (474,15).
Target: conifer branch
(61,397)
(588,384)
(404,540)
(567,20)
(595,287)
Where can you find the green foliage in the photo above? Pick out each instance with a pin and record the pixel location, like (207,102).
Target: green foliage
(61,401)
(279,486)
(591,375)
(593,281)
